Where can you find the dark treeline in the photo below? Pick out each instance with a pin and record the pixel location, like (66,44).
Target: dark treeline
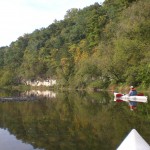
(95,46)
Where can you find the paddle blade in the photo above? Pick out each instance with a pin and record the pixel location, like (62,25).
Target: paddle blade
(140,94)
(119,95)
(119,100)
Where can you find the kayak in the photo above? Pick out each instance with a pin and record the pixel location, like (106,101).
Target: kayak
(134,141)
(121,97)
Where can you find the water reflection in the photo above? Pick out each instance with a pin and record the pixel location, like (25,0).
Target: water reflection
(75,120)
(9,142)
(46,93)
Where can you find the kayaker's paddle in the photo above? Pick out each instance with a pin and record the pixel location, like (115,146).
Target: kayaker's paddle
(119,95)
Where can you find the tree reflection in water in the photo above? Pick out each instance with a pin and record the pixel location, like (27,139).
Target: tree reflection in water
(74,121)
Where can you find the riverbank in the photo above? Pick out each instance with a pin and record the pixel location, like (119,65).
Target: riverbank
(123,88)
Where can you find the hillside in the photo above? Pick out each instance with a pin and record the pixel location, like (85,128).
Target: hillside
(95,46)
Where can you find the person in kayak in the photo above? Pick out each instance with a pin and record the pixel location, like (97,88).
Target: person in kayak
(132,92)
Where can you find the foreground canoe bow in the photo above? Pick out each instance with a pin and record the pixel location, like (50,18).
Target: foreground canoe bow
(121,97)
(134,141)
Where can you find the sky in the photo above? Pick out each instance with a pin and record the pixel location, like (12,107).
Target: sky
(19,17)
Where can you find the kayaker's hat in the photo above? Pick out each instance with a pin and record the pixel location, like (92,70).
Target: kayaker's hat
(131,87)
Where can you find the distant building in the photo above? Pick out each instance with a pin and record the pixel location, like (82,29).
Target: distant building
(48,82)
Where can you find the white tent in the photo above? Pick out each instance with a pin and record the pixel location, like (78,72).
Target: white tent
(134,141)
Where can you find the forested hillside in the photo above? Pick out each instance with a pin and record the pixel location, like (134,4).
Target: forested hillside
(95,46)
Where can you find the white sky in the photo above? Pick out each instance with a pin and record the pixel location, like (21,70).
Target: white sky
(18,17)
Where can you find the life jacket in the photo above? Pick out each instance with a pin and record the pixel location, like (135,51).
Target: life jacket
(133,92)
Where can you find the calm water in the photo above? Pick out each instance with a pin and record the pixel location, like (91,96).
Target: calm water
(69,121)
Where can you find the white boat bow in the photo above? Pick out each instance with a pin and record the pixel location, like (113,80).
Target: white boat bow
(134,141)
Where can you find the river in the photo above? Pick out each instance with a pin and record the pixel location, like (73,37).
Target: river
(69,121)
